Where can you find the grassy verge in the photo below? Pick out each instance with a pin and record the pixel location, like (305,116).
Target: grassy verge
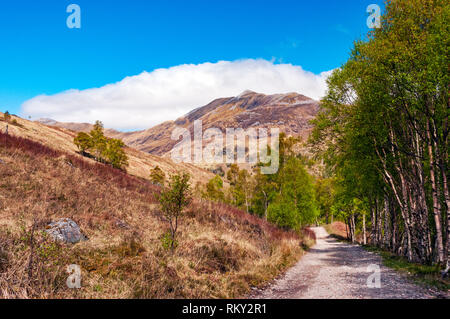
(426,275)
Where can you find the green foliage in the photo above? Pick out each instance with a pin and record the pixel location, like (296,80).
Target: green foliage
(324,192)
(264,193)
(283,213)
(294,205)
(8,118)
(103,149)
(214,189)
(383,118)
(241,187)
(157,176)
(233,174)
(173,200)
(167,242)
(114,153)
(286,198)
(99,141)
(83,142)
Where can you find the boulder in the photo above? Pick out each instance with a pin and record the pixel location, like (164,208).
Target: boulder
(65,230)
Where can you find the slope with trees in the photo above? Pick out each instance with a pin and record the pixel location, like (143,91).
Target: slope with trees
(103,149)
(286,198)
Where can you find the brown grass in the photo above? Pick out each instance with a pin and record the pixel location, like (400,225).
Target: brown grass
(338,230)
(222,251)
(61,139)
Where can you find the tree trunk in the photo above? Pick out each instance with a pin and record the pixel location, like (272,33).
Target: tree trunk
(387,217)
(347,228)
(373,226)
(379,226)
(352,228)
(364,229)
(435,195)
(402,203)
(443,167)
(394,233)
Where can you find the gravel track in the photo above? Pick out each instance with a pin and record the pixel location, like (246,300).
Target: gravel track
(338,270)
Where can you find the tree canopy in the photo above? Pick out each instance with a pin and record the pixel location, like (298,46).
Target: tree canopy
(103,149)
(384,125)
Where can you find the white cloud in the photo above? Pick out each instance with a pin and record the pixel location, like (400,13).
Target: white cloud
(150,98)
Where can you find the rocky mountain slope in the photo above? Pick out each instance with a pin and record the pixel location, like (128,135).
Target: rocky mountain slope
(290,112)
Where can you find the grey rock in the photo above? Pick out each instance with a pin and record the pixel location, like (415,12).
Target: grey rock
(65,230)
(121,224)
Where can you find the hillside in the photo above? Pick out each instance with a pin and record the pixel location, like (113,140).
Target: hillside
(222,251)
(140,163)
(290,113)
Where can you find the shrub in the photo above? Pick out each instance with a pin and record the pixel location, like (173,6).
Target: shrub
(114,153)
(167,241)
(214,189)
(83,142)
(7,116)
(157,176)
(295,204)
(283,214)
(174,199)
(103,149)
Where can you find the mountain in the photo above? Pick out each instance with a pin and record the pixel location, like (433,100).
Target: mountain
(77,127)
(289,112)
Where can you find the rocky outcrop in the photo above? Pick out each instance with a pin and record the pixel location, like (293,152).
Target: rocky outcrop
(65,230)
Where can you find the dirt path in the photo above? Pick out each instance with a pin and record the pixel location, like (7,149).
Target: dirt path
(333,269)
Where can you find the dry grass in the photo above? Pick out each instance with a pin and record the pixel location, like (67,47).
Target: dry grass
(337,229)
(222,251)
(61,139)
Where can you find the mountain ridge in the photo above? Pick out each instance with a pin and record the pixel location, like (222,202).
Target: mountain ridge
(291,112)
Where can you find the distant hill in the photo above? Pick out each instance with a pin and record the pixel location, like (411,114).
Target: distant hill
(76,127)
(54,135)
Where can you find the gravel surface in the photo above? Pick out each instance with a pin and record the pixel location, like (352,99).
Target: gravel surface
(337,270)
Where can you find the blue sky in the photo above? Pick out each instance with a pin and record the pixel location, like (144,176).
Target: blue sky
(40,55)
